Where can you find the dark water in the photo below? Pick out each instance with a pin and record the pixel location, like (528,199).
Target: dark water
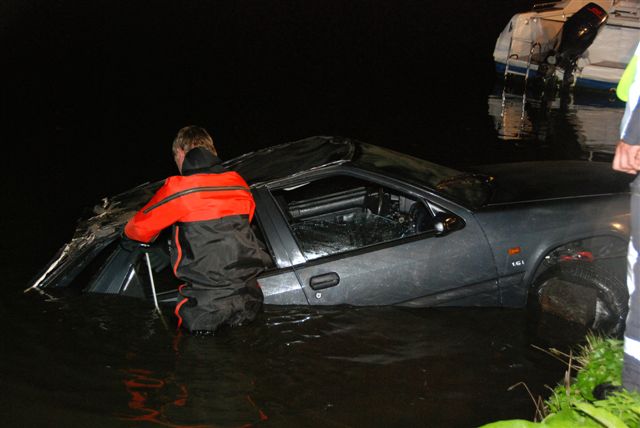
(93,97)
(110,362)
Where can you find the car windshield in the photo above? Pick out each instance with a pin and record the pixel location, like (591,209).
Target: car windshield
(469,190)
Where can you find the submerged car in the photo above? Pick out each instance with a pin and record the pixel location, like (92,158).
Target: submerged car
(350,223)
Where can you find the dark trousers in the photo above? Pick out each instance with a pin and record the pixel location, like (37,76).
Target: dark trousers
(204,308)
(631,365)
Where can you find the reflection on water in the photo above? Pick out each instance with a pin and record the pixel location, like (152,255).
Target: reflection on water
(589,120)
(108,361)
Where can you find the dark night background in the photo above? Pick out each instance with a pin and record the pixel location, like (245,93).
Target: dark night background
(93,92)
(92,95)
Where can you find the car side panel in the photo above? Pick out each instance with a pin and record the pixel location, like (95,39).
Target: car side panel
(521,235)
(282,288)
(455,269)
(405,272)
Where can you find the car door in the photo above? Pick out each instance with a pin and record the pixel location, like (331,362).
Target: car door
(131,273)
(354,239)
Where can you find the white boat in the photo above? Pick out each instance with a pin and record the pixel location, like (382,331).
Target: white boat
(528,40)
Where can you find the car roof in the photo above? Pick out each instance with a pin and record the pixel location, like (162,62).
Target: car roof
(293,158)
(319,152)
(289,159)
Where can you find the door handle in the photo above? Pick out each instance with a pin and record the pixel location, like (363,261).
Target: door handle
(326,280)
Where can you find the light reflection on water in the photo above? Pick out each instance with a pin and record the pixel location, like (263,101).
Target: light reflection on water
(112,361)
(590,120)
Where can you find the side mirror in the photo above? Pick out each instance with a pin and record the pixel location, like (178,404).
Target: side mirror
(446,223)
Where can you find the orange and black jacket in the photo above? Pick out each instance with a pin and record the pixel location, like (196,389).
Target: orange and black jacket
(210,210)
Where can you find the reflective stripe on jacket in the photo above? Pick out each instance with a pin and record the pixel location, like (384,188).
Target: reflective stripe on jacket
(212,243)
(629,88)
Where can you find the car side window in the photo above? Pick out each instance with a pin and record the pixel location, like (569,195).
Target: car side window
(343,213)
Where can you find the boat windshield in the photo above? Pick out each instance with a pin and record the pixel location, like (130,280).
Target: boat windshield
(469,190)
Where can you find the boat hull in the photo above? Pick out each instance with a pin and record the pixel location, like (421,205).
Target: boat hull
(583,80)
(528,37)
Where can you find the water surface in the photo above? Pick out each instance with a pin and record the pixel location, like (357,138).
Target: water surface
(108,361)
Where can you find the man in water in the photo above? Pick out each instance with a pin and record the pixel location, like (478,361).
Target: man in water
(627,159)
(213,248)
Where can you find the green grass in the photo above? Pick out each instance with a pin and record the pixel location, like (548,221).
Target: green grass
(572,403)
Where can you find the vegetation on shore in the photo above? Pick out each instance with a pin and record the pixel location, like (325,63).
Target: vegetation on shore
(598,368)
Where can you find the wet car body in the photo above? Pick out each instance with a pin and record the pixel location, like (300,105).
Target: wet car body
(351,223)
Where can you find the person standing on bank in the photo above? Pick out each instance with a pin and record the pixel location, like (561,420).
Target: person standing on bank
(213,248)
(627,159)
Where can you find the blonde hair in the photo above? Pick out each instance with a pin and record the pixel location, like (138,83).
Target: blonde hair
(191,137)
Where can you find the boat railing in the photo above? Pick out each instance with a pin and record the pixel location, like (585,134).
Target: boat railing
(534,46)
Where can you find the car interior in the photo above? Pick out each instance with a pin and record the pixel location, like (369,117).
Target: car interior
(343,213)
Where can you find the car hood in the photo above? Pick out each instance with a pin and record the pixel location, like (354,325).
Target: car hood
(529,181)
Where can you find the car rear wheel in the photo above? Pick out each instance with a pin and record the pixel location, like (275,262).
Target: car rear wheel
(581,293)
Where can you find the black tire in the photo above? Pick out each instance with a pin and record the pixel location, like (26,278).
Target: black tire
(582,293)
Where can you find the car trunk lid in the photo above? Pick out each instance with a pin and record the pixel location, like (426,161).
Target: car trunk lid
(539,180)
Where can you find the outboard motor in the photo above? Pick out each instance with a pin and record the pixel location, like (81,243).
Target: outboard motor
(577,34)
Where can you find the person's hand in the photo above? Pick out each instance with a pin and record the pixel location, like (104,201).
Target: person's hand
(627,158)
(131,245)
